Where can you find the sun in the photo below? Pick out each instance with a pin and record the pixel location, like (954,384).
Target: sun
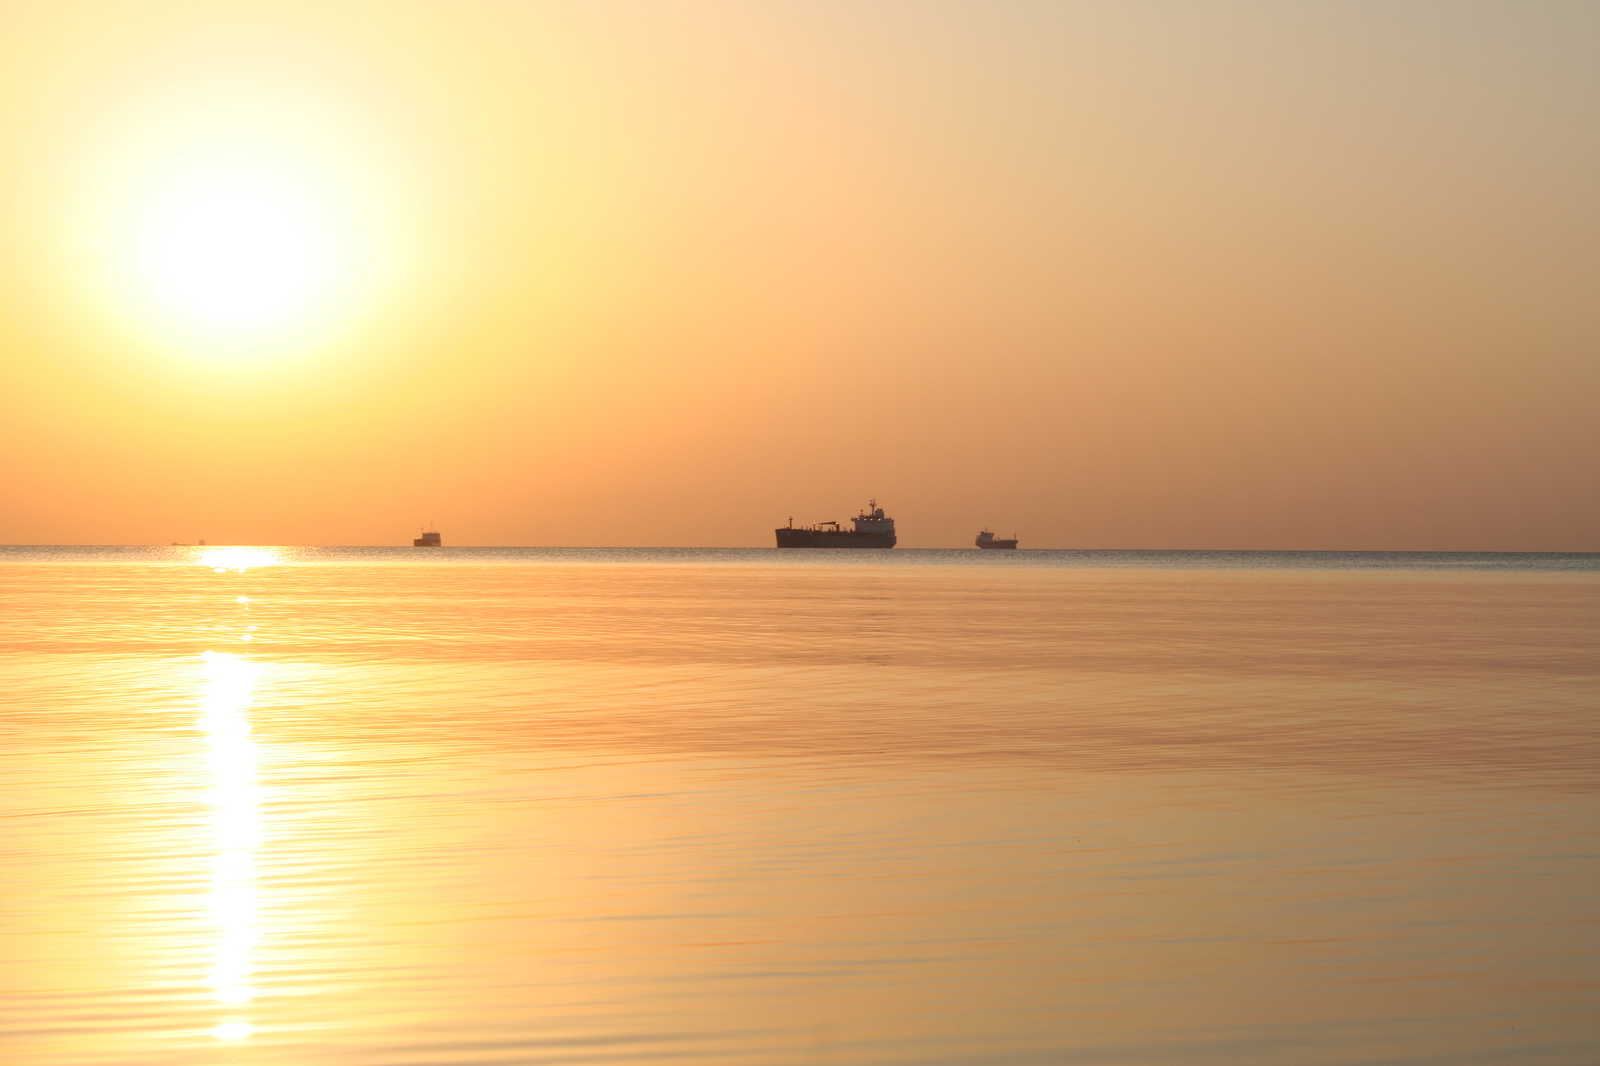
(239,251)
(237,222)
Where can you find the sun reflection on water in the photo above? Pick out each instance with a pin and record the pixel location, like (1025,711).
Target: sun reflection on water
(237,559)
(236,822)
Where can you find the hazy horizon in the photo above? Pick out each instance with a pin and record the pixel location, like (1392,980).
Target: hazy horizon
(850,558)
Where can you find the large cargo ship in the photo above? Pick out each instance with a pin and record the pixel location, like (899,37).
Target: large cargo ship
(872,530)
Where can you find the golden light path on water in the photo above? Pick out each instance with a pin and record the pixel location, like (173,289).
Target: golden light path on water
(237,559)
(235,798)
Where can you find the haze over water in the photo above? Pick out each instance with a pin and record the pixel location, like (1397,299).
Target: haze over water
(350,806)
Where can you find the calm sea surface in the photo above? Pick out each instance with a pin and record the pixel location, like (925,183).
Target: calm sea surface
(391,807)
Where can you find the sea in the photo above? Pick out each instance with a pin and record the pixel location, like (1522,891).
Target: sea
(483,807)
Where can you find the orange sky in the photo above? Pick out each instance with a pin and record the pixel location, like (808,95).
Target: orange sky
(1180,276)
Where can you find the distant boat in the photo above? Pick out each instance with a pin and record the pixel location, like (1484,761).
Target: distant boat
(988,540)
(429,539)
(873,529)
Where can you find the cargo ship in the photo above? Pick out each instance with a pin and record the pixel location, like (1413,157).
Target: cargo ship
(429,539)
(872,530)
(989,540)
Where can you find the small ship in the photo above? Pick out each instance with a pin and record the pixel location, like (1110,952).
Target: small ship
(872,530)
(429,539)
(989,540)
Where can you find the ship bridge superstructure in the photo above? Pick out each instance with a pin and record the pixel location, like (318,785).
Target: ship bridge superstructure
(872,520)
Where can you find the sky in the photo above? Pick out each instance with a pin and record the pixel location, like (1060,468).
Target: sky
(1254,276)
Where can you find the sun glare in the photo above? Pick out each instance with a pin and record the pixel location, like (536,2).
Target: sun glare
(238,559)
(250,224)
(239,253)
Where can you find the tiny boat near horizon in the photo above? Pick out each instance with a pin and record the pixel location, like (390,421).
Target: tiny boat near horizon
(989,540)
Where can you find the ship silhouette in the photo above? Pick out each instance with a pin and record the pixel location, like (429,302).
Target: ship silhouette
(989,540)
(873,529)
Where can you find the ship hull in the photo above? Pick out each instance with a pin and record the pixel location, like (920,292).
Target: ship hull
(844,538)
(999,545)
